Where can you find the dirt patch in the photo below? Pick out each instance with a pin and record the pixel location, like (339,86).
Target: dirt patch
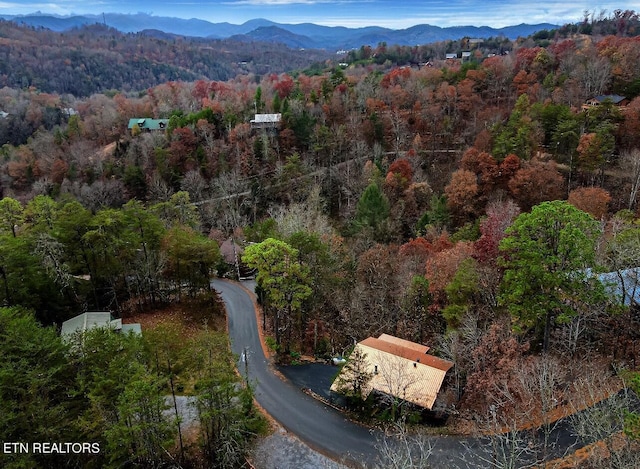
(190,316)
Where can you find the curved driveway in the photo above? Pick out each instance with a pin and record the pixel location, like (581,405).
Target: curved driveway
(319,426)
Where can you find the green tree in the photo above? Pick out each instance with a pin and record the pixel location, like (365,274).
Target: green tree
(141,434)
(257,100)
(165,345)
(632,419)
(69,228)
(190,259)
(519,134)
(111,249)
(324,268)
(228,420)
(461,292)
(24,282)
(127,405)
(178,210)
(285,281)
(354,376)
(41,213)
(372,210)
(547,254)
(437,216)
(11,215)
(35,384)
(147,232)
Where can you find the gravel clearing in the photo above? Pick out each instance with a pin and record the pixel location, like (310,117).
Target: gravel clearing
(281,450)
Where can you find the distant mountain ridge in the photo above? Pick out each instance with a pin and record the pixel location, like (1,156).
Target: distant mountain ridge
(304,35)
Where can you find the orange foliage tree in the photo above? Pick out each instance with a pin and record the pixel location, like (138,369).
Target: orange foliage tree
(593,200)
(462,194)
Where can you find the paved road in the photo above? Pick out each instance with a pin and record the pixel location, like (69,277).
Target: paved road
(321,427)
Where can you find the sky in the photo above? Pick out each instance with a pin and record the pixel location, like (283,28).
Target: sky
(394,14)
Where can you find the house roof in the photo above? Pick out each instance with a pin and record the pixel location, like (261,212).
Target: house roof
(403,369)
(614,98)
(623,285)
(148,124)
(404,343)
(85,321)
(266,119)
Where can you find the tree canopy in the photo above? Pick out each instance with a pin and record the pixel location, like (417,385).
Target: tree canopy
(548,257)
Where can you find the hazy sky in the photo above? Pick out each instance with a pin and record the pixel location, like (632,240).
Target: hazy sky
(396,14)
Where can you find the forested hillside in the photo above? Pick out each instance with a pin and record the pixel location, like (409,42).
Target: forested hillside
(96,59)
(465,203)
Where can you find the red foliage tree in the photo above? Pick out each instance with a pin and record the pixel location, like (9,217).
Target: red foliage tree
(536,182)
(494,364)
(182,150)
(284,86)
(500,215)
(401,172)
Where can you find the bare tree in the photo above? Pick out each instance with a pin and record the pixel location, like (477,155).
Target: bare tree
(231,195)
(102,194)
(195,185)
(159,191)
(593,73)
(306,216)
(508,448)
(396,378)
(630,166)
(601,424)
(541,383)
(400,449)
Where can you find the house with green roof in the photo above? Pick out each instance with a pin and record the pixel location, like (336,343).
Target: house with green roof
(145,123)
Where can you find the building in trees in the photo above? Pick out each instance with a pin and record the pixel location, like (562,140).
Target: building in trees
(612,98)
(86,321)
(400,370)
(623,286)
(142,123)
(266,122)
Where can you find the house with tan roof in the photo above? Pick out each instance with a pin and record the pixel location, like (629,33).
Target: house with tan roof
(399,368)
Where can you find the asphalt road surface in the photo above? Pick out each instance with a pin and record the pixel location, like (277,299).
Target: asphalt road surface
(319,426)
(323,428)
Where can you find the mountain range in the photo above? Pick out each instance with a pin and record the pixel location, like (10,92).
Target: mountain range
(304,35)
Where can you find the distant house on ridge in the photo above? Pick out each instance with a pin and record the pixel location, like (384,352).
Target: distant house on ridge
(615,99)
(266,121)
(144,123)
